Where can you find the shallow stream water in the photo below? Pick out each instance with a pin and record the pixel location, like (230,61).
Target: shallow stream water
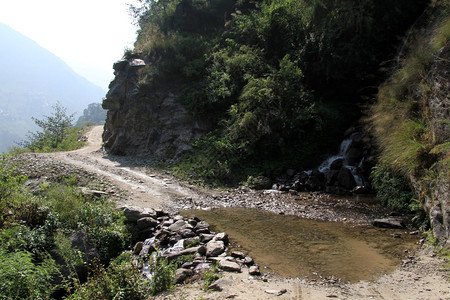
(290,246)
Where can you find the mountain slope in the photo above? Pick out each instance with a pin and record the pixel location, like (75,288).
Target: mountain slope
(32,79)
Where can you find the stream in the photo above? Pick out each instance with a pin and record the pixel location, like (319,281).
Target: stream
(290,246)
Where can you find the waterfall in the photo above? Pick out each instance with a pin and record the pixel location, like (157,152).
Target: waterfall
(344,148)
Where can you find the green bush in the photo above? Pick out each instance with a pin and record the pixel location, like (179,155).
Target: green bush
(392,187)
(22,278)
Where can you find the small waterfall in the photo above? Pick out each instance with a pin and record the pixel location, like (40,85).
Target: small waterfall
(344,148)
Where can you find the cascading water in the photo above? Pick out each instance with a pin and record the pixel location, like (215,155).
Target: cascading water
(343,156)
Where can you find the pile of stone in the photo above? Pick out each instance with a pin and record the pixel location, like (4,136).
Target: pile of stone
(175,236)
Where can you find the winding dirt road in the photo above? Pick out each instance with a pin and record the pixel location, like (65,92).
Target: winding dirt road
(421,277)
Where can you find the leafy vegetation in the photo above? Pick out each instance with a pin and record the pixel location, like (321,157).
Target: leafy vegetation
(56,134)
(35,231)
(279,81)
(93,114)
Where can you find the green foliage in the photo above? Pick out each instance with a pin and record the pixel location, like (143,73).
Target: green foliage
(53,130)
(392,187)
(276,80)
(163,275)
(22,278)
(209,276)
(10,186)
(121,281)
(93,114)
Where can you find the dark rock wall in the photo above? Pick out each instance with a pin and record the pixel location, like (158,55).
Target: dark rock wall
(151,123)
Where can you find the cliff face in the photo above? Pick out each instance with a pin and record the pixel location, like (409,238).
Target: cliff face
(155,123)
(434,190)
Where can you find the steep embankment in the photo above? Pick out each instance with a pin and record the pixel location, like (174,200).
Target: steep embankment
(411,118)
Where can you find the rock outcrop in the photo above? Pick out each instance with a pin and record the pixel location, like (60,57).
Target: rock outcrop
(146,122)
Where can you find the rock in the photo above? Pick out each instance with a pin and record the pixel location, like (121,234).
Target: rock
(276,292)
(254,270)
(202,227)
(139,122)
(205,238)
(181,275)
(222,236)
(260,183)
(248,261)
(229,266)
(138,248)
(220,284)
(345,179)
(146,222)
(337,164)
(134,213)
(180,225)
(80,241)
(238,254)
(390,222)
(215,248)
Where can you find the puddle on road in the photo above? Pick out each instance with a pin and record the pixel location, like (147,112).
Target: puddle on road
(294,247)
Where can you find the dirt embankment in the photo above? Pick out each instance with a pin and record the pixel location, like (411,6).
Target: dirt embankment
(421,276)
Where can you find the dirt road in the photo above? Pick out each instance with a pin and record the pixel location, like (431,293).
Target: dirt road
(421,276)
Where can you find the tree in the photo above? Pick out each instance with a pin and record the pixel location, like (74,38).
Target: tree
(53,130)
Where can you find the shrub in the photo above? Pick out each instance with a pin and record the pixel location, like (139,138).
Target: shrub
(392,187)
(21,278)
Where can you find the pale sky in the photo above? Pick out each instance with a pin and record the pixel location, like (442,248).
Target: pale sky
(89,35)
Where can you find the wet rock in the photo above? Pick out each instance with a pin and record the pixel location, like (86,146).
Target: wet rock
(138,248)
(345,179)
(260,183)
(391,222)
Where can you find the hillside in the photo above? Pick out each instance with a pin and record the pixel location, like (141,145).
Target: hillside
(31,80)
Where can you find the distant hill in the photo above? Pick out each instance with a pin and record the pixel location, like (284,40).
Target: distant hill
(32,79)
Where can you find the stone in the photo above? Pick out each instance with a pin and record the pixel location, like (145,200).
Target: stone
(390,222)
(134,213)
(215,248)
(146,222)
(248,261)
(180,225)
(238,254)
(205,238)
(345,179)
(138,248)
(220,284)
(276,292)
(254,270)
(202,227)
(222,236)
(229,266)
(182,274)
(337,164)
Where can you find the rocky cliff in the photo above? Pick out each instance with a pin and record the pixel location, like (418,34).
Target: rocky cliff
(138,122)
(433,190)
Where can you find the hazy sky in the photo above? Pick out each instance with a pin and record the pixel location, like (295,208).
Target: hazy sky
(89,35)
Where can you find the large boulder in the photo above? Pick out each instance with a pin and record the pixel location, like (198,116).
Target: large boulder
(134,213)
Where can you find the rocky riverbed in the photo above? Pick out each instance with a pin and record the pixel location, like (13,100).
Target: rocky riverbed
(421,275)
